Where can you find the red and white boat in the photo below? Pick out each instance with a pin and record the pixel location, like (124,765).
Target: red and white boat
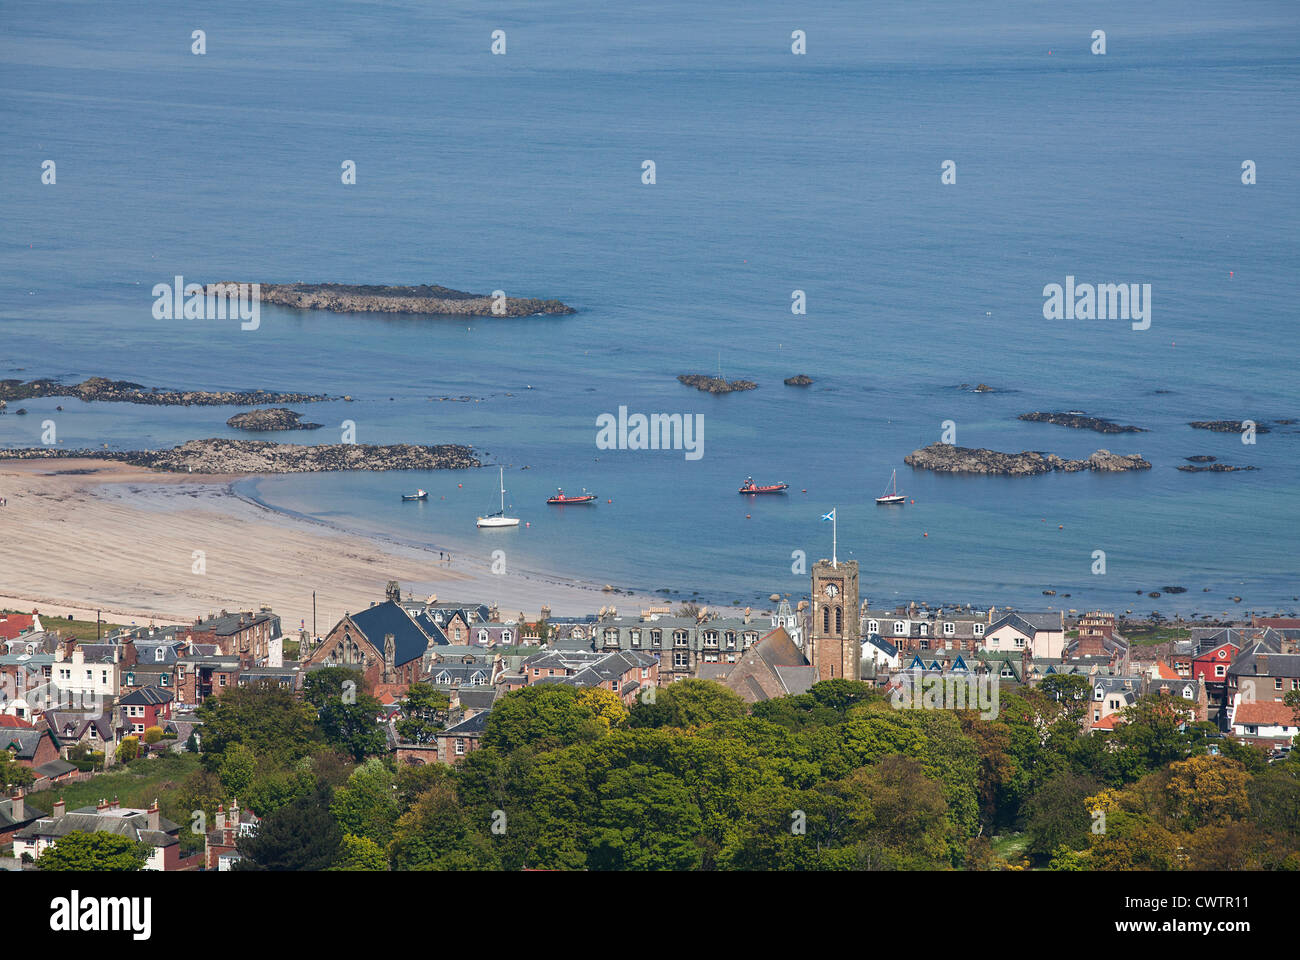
(561,498)
(892,495)
(749,486)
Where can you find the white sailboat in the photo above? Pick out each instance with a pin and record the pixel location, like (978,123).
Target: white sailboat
(499,519)
(892,495)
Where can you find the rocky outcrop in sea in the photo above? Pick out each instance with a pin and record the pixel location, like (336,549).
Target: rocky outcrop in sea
(124,391)
(424,298)
(709,384)
(1213,468)
(946,458)
(799,380)
(224,456)
(1227,426)
(273,418)
(1080,421)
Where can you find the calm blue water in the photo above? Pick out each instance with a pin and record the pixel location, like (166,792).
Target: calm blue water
(775,172)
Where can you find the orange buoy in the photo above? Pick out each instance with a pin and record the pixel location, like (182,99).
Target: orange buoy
(914,501)
(746,516)
(460,484)
(925,534)
(527,524)
(804,490)
(1060,526)
(610,500)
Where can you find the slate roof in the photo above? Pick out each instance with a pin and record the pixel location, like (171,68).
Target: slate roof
(232,623)
(60,721)
(55,768)
(472,726)
(409,640)
(126,823)
(1247,663)
(147,697)
(1029,623)
(7,813)
(24,743)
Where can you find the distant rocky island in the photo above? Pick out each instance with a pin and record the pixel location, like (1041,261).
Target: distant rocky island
(709,384)
(274,418)
(946,458)
(1212,468)
(123,391)
(1226,426)
(799,380)
(425,298)
(1080,421)
(223,456)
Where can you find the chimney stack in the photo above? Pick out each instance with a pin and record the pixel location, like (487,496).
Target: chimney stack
(59,809)
(152,814)
(1261,664)
(221,816)
(17,810)
(101,806)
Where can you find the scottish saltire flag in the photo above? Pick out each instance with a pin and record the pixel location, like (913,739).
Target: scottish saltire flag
(829,516)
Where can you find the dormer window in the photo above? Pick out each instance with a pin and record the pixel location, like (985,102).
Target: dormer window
(925,629)
(482,636)
(899,628)
(949,629)
(873,626)
(505,636)
(979,629)
(160,654)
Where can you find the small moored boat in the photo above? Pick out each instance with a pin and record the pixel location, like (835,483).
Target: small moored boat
(418,495)
(749,486)
(499,519)
(892,495)
(561,498)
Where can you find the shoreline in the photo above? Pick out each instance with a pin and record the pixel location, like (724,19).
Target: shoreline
(88,534)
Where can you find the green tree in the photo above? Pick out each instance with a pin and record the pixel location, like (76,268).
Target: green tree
(270,721)
(367,806)
(333,683)
(351,728)
(237,769)
(1056,815)
(420,713)
(437,834)
(542,716)
(688,703)
(647,820)
(95,851)
(128,749)
(299,836)
(360,853)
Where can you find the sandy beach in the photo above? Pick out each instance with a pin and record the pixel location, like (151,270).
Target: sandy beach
(82,535)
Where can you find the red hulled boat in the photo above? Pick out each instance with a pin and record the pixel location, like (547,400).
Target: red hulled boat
(749,486)
(584,497)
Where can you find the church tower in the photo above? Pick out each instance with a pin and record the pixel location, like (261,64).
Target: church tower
(834,644)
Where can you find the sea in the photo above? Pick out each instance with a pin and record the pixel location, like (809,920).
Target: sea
(773,172)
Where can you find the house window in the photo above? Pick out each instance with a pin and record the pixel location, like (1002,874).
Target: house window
(1277,683)
(949,629)
(645,673)
(656,638)
(731,640)
(635,636)
(681,659)
(221,679)
(872,627)
(611,637)
(899,628)
(679,638)
(482,636)
(164,681)
(710,638)
(1096,715)
(1220,670)
(750,640)
(505,636)
(925,629)
(710,658)
(460,746)
(979,629)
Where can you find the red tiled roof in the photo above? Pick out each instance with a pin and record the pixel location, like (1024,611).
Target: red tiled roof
(1265,713)
(13,624)
(7,721)
(1108,722)
(1165,672)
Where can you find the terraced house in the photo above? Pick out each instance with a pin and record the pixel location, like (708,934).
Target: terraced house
(911,629)
(680,643)
(247,635)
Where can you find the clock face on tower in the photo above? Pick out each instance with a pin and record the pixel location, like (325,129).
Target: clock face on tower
(832,591)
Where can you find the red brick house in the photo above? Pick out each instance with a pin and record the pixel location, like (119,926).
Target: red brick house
(246,635)
(145,708)
(28,745)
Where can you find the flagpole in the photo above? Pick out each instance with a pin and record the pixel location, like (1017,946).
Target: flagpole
(834,538)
